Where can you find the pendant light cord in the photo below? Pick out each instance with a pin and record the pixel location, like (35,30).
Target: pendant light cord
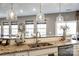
(40,7)
(11,6)
(59,8)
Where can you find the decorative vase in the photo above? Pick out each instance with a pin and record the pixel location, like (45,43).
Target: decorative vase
(64,34)
(64,31)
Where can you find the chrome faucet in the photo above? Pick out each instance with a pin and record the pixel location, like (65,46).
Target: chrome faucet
(37,41)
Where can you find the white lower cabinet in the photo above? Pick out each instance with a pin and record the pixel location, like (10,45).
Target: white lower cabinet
(76,50)
(44,52)
(40,52)
(17,54)
(21,54)
(11,54)
(50,54)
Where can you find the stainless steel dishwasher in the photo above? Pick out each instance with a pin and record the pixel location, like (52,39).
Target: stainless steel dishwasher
(66,50)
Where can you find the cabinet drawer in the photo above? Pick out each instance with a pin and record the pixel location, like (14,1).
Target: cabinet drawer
(12,54)
(76,46)
(76,50)
(16,54)
(43,51)
(21,54)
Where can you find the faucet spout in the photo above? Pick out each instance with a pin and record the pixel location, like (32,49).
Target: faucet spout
(37,41)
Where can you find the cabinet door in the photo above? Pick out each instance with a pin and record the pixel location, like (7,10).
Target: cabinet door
(17,54)
(76,50)
(43,52)
(21,54)
(11,54)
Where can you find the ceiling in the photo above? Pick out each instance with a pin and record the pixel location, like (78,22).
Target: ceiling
(25,9)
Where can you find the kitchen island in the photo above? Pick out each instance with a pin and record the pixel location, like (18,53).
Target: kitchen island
(26,50)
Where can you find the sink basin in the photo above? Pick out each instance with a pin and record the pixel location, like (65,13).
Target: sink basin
(39,45)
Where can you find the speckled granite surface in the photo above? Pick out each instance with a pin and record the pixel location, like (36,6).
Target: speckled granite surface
(25,47)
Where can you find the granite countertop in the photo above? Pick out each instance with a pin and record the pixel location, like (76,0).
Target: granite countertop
(25,47)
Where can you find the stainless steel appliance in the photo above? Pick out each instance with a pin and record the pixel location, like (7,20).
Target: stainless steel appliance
(66,50)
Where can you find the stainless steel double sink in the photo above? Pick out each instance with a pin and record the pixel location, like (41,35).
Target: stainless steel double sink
(39,45)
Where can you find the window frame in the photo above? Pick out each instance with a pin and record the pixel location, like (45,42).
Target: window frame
(26,24)
(41,34)
(65,22)
(4,35)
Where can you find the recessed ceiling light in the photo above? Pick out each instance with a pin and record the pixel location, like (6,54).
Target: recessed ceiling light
(21,11)
(34,9)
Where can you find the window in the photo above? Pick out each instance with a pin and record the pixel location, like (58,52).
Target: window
(6,31)
(29,29)
(71,28)
(41,29)
(59,31)
(14,30)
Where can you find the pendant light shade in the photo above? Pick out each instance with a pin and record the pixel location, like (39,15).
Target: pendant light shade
(11,14)
(60,18)
(40,17)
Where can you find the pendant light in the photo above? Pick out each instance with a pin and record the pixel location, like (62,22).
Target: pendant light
(11,13)
(40,17)
(60,18)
